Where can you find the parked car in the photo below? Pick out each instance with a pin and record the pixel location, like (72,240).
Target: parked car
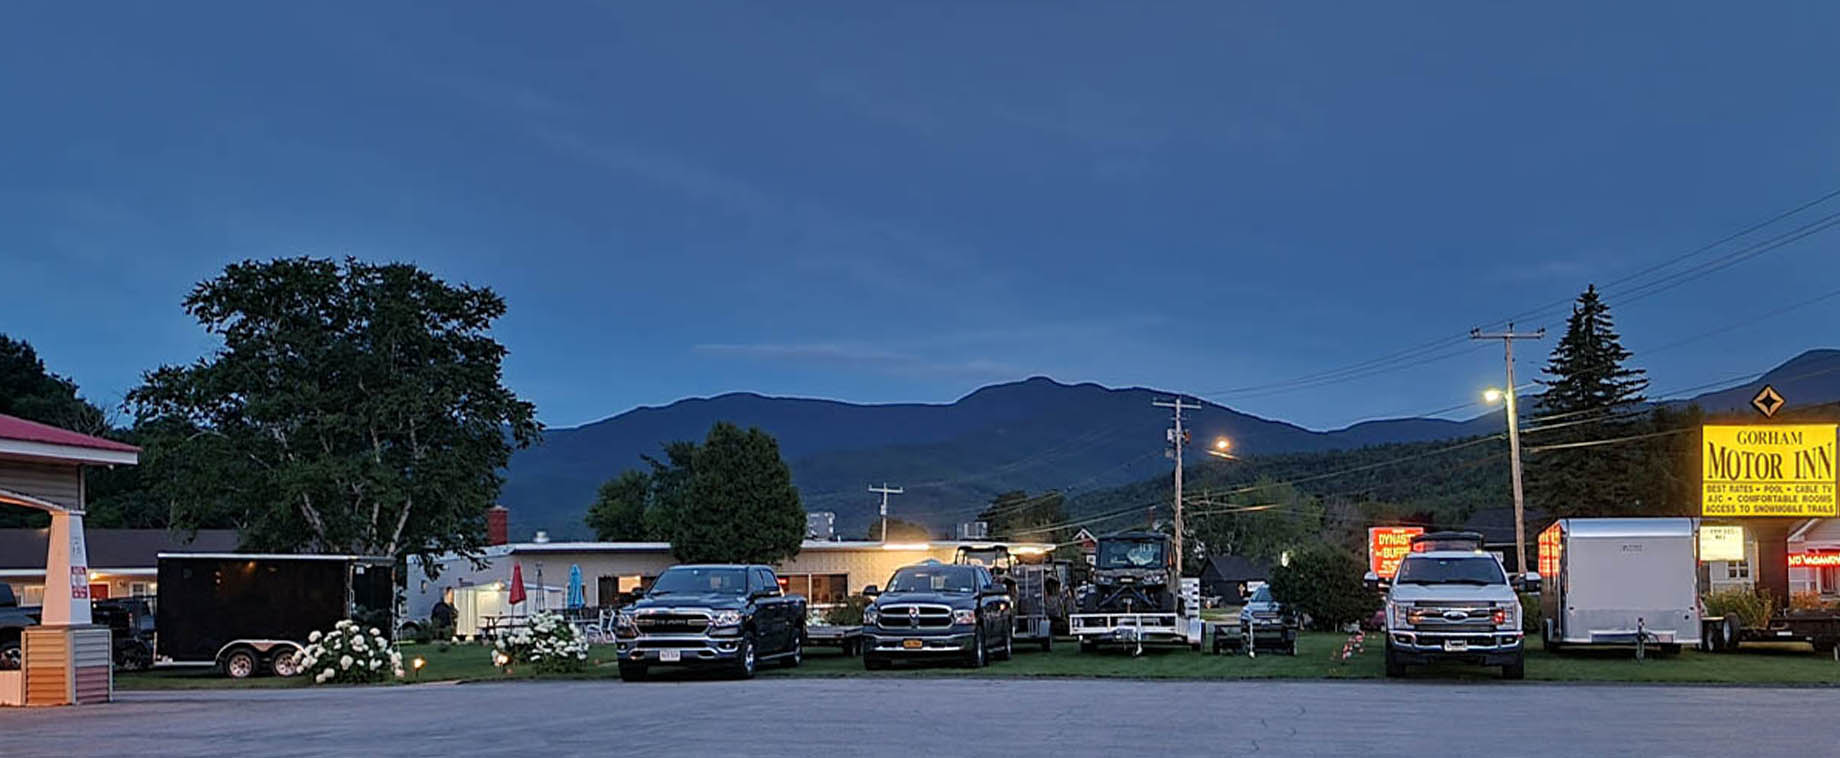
(1266,624)
(13,621)
(729,617)
(1453,602)
(937,610)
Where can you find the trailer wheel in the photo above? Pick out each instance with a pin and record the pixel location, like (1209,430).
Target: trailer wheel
(1088,646)
(1729,633)
(239,663)
(285,662)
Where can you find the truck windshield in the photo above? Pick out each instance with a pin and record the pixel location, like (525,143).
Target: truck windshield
(1130,554)
(720,581)
(1480,569)
(934,579)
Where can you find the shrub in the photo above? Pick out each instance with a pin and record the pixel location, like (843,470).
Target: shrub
(1754,608)
(1323,582)
(350,655)
(1807,601)
(549,644)
(847,613)
(1533,616)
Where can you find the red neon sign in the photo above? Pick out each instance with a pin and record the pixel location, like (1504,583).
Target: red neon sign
(1813,560)
(1387,546)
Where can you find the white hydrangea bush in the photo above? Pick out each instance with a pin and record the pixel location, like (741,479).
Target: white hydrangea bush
(549,643)
(350,654)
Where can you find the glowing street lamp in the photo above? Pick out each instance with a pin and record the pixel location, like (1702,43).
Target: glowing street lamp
(1491,396)
(1220,448)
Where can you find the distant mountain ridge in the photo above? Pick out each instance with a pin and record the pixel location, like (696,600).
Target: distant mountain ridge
(1034,434)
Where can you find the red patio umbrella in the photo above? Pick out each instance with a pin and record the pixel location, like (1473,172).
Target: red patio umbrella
(517,583)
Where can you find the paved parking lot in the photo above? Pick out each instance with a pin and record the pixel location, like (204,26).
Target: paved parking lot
(911,718)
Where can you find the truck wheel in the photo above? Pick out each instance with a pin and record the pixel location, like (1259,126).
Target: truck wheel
(632,672)
(978,658)
(1008,650)
(874,662)
(240,663)
(797,656)
(744,662)
(1393,667)
(1515,670)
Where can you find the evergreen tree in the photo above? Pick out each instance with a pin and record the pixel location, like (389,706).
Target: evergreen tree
(741,506)
(1016,515)
(1590,395)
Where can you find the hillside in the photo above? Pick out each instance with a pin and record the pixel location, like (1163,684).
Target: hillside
(1032,435)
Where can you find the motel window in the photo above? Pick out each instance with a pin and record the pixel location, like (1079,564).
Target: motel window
(140,589)
(1737,570)
(1829,580)
(818,589)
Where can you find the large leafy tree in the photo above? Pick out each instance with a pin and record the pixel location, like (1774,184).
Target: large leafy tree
(1323,582)
(1018,515)
(618,512)
(1260,523)
(353,407)
(29,391)
(739,505)
(1591,395)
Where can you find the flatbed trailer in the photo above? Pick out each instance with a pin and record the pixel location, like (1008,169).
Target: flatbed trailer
(847,638)
(1139,629)
(1724,634)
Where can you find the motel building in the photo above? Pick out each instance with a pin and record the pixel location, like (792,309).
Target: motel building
(825,572)
(1814,561)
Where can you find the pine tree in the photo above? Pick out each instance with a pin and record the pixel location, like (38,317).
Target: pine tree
(1590,395)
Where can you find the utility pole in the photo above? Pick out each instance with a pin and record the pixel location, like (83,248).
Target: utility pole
(886,491)
(1177,438)
(1514,436)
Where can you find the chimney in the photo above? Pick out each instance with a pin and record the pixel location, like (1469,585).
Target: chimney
(498,525)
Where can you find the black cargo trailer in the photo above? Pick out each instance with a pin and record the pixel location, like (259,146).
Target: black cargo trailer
(251,613)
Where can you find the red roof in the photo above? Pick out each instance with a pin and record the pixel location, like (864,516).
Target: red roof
(14,428)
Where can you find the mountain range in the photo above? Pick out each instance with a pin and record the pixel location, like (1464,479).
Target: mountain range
(951,458)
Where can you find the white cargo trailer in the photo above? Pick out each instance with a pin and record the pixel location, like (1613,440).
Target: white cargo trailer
(1620,581)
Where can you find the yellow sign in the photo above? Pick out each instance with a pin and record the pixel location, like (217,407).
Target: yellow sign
(1721,543)
(1778,470)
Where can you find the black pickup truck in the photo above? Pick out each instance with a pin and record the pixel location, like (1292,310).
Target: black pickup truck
(13,622)
(729,617)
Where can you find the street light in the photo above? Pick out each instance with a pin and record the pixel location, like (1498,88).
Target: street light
(1219,450)
(1491,396)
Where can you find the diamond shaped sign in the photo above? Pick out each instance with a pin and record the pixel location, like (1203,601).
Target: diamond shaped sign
(1767,401)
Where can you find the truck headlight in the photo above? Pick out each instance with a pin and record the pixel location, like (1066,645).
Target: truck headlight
(625,624)
(1401,614)
(966,617)
(872,616)
(1507,617)
(726,618)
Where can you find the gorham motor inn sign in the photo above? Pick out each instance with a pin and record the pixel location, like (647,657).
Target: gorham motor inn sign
(1778,470)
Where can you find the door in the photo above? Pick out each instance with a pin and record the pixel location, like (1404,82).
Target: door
(769,612)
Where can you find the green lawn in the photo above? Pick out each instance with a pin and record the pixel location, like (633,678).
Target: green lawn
(1316,659)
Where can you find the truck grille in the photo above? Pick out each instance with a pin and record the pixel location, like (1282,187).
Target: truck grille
(672,623)
(916,617)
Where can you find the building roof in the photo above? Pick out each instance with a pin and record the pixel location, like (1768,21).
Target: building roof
(35,440)
(1235,568)
(1619,528)
(113,548)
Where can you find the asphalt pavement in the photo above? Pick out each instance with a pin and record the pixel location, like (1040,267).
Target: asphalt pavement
(910,718)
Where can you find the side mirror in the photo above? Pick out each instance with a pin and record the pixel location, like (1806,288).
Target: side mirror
(1528,582)
(872,591)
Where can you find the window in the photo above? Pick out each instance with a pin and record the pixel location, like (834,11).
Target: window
(1829,577)
(1737,570)
(140,589)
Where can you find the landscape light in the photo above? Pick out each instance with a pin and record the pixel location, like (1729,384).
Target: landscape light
(419,663)
(501,659)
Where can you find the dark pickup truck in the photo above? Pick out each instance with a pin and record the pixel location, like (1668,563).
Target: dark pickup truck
(13,622)
(936,610)
(729,617)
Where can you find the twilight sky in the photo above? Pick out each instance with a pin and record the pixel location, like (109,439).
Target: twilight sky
(875,203)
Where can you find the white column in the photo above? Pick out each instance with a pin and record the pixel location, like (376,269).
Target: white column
(66,572)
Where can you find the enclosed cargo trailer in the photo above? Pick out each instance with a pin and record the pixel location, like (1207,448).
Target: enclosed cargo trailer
(252,613)
(1620,581)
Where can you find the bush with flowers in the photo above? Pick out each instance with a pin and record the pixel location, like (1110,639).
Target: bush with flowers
(549,643)
(350,655)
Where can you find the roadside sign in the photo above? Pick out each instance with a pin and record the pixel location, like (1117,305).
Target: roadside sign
(1778,470)
(1721,543)
(1387,546)
(1767,401)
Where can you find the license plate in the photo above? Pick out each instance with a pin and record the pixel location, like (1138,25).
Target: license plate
(670,656)
(1456,646)
(912,644)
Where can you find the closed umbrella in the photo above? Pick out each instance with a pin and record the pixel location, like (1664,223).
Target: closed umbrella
(576,599)
(517,583)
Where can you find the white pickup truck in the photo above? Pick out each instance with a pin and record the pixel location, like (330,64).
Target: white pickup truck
(1453,602)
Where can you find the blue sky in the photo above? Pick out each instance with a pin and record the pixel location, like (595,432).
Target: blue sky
(880,203)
